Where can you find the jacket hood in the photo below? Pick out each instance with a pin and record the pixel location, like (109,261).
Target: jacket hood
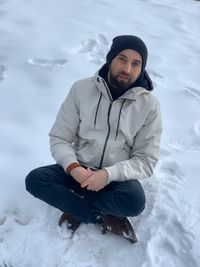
(142,85)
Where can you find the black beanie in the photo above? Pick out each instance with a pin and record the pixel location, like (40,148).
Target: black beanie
(123,42)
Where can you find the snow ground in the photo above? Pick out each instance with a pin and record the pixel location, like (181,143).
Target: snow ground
(44,47)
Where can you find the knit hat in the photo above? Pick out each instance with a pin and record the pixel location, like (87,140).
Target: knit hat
(123,42)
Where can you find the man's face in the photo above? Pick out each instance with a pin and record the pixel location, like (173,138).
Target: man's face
(124,69)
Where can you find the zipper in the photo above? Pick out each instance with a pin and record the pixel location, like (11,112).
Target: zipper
(106,141)
(119,118)
(95,119)
(108,91)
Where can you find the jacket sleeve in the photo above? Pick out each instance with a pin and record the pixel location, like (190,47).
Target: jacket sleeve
(145,151)
(63,131)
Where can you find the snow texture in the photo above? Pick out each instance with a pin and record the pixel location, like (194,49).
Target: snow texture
(45,46)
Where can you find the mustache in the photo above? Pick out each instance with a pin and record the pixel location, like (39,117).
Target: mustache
(125,74)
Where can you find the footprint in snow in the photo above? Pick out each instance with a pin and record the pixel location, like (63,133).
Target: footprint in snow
(174,240)
(3,264)
(22,219)
(192,142)
(47,62)
(155,74)
(19,217)
(193,92)
(87,46)
(2,72)
(196,128)
(2,219)
(175,231)
(170,167)
(95,48)
(164,153)
(95,254)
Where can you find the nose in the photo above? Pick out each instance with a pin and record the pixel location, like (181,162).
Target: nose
(127,67)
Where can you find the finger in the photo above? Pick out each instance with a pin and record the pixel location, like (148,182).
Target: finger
(92,187)
(84,184)
(98,188)
(89,187)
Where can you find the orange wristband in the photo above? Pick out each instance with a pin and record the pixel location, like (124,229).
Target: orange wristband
(72,166)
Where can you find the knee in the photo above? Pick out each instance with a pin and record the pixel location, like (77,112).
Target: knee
(135,205)
(139,203)
(32,182)
(134,199)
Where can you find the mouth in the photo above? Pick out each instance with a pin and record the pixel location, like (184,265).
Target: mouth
(122,77)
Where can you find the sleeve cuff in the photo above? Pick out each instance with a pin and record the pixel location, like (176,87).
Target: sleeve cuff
(114,173)
(66,162)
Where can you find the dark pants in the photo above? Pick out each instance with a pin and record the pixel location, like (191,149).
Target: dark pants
(52,185)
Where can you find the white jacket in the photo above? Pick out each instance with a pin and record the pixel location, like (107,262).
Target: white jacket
(121,136)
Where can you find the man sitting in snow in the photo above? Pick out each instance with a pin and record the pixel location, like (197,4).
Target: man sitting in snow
(105,138)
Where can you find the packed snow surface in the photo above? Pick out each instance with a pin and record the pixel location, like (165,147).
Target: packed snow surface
(45,46)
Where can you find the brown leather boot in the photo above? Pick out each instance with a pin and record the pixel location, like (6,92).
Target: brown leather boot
(73,223)
(119,226)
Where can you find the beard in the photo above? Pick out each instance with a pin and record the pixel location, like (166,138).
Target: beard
(121,80)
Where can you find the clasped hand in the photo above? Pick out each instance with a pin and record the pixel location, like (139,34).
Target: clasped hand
(91,180)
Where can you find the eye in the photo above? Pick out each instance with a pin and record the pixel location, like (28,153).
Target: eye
(122,59)
(135,64)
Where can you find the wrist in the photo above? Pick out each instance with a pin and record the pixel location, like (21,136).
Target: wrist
(72,166)
(105,174)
